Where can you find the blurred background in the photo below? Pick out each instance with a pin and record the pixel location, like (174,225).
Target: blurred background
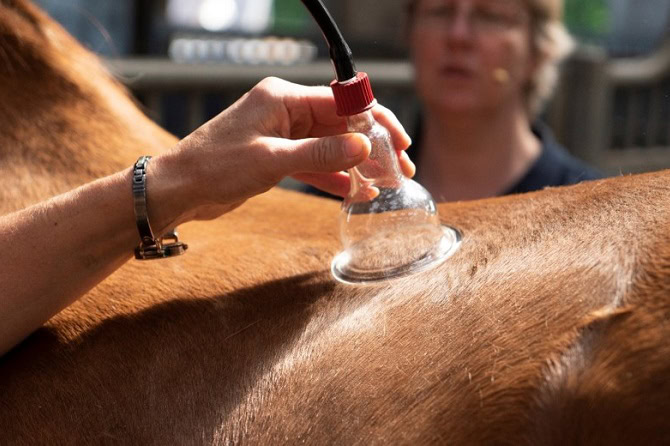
(185,60)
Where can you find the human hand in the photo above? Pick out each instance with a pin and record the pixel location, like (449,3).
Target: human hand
(275,130)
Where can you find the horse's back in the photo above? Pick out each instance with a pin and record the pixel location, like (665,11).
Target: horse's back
(529,331)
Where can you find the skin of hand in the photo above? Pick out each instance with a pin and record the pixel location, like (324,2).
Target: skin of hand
(275,130)
(77,239)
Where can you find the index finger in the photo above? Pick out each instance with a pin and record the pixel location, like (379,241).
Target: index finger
(313,111)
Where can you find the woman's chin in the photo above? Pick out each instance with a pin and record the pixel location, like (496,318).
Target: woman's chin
(457,104)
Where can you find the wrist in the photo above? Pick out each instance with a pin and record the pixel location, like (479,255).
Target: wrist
(168,193)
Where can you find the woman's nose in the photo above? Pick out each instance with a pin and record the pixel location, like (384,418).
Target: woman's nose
(461,28)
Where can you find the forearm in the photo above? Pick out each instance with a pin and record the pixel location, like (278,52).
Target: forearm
(55,251)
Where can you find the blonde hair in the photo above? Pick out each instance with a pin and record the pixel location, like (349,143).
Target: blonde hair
(550,43)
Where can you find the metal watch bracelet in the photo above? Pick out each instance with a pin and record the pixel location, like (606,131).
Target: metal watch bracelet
(150,247)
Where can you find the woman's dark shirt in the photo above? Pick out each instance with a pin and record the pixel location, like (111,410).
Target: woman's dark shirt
(554,167)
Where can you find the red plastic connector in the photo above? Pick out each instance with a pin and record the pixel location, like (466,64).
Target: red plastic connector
(354,96)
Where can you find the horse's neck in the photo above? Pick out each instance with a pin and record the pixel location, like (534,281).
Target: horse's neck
(65,120)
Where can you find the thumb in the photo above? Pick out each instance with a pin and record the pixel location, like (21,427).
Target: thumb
(326,154)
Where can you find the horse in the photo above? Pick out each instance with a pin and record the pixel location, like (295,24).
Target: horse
(548,326)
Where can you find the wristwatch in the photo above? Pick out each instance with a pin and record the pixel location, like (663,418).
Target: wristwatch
(150,247)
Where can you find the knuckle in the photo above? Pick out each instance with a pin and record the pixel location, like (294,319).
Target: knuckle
(269,85)
(264,107)
(262,90)
(322,154)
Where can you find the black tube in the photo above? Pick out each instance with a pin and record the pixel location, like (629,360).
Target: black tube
(340,53)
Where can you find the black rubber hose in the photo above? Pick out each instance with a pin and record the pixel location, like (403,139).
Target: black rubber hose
(340,53)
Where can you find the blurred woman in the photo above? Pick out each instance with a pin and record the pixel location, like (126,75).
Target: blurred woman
(484,68)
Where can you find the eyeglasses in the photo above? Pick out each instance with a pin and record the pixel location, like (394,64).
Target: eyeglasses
(484,17)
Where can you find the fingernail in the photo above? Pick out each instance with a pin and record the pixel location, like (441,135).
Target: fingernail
(353,147)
